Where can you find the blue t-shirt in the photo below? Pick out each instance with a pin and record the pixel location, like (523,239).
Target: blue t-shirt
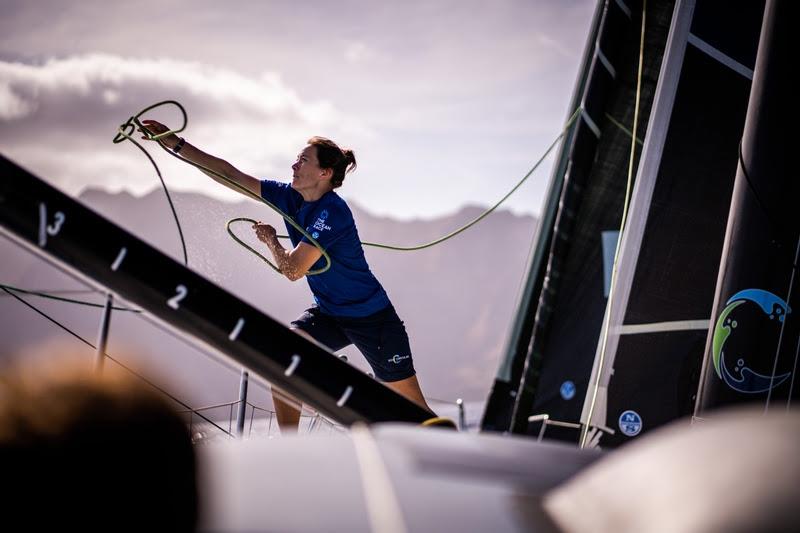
(348,287)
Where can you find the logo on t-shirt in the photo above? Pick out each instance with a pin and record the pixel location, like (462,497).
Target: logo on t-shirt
(397,358)
(323,215)
(320,223)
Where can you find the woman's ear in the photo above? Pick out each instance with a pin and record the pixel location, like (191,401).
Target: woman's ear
(327,173)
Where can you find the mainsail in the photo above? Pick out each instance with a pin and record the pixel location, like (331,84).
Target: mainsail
(632,363)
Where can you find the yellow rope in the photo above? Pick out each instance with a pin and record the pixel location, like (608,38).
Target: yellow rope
(613,283)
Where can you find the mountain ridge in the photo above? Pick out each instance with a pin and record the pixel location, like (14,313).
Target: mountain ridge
(457,298)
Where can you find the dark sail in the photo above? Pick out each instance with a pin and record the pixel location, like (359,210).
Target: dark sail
(502,398)
(568,309)
(645,370)
(649,365)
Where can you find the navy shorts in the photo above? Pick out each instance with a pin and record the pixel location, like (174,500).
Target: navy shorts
(381,337)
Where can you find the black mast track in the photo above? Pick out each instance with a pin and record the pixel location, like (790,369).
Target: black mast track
(61,228)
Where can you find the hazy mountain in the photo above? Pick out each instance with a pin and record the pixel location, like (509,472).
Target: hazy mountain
(457,298)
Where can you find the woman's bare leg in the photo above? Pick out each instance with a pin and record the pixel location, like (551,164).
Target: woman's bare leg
(287,413)
(409,388)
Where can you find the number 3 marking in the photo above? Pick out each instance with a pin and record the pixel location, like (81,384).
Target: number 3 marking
(52,229)
(55,227)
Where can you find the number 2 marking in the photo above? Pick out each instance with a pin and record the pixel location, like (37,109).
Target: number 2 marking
(180,293)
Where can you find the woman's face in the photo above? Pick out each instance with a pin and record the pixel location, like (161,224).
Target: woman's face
(306,172)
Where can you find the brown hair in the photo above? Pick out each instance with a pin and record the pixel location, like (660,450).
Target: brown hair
(329,155)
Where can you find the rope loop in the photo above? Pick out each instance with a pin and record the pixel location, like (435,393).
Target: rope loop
(126,131)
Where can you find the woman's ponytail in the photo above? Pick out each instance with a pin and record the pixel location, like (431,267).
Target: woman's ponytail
(341,161)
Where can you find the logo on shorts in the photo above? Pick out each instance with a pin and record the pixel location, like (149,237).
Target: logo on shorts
(396,358)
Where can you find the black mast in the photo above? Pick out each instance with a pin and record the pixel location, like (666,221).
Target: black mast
(752,348)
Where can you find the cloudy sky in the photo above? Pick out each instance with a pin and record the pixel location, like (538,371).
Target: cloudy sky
(445,102)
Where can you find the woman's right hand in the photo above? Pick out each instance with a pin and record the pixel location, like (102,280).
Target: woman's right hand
(156,128)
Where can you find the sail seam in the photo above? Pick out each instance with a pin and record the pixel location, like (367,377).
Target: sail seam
(660,327)
(589,122)
(606,63)
(726,60)
(625,9)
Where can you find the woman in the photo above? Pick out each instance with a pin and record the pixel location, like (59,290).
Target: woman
(350,305)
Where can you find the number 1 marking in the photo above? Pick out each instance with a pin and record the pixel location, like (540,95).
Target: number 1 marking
(346,396)
(293,366)
(237,329)
(42,224)
(118,261)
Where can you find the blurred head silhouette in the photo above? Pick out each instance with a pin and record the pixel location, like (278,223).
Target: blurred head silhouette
(93,451)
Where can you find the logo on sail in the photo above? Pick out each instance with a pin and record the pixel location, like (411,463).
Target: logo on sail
(743,378)
(630,423)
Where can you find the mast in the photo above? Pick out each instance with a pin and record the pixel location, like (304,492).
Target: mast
(751,350)
(502,397)
(567,314)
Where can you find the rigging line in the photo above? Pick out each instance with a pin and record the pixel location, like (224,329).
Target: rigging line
(133,372)
(135,120)
(486,213)
(613,283)
(121,136)
(48,260)
(436,241)
(794,371)
(169,200)
(60,291)
(223,361)
(62,299)
(783,327)
(50,319)
(774,226)
(142,314)
(623,128)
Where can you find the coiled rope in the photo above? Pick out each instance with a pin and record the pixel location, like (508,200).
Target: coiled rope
(127,129)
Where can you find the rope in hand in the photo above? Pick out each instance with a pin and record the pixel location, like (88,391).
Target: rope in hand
(127,129)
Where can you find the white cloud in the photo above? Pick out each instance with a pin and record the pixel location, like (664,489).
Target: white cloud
(86,74)
(65,112)
(12,105)
(358,52)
